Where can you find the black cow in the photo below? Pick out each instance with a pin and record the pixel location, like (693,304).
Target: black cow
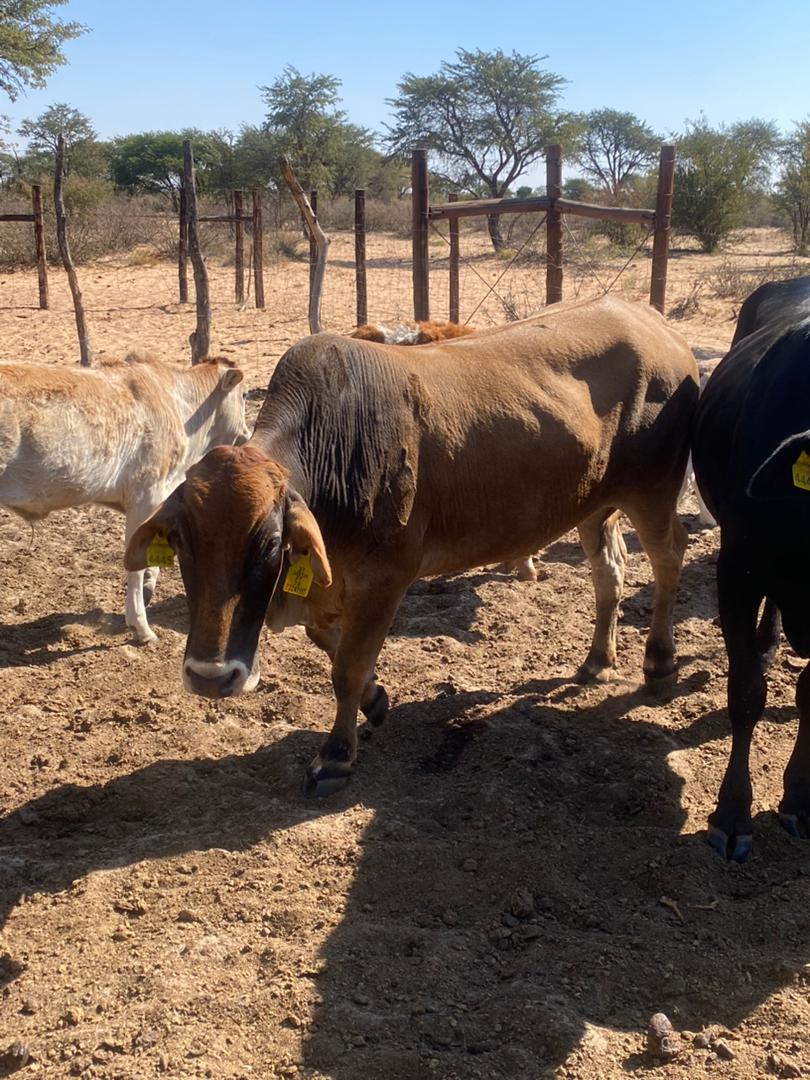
(751,430)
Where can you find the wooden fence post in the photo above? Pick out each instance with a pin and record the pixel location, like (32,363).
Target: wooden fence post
(200,338)
(663,222)
(454,254)
(554,271)
(420,198)
(239,257)
(258,268)
(182,249)
(360,256)
(39,240)
(85,351)
(313,247)
(322,243)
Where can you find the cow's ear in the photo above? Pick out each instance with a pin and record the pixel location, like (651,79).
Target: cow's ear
(302,534)
(231,378)
(163,522)
(784,474)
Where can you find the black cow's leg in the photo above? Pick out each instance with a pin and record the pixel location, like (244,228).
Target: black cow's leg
(768,631)
(730,825)
(374,702)
(603,543)
(794,809)
(664,538)
(365,620)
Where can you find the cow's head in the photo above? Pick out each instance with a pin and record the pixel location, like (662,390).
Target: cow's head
(236,526)
(228,423)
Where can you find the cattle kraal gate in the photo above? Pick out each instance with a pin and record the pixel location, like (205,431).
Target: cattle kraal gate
(657,221)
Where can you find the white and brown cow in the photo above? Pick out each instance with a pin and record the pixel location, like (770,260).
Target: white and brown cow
(120,435)
(373,465)
(418,333)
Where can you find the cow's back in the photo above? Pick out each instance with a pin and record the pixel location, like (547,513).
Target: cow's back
(68,437)
(754,402)
(504,437)
(770,301)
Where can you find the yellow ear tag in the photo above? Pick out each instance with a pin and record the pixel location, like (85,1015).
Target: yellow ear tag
(801,471)
(159,552)
(299,577)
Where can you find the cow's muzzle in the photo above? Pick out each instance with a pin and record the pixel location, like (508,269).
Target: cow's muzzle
(218,679)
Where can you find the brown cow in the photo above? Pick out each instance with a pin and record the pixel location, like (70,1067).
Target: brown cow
(420,333)
(378,464)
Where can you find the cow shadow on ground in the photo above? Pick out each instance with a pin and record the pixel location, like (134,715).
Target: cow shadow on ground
(45,639)
(60,635)
(508,895)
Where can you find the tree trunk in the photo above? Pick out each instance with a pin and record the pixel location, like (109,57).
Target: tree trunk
(495,235)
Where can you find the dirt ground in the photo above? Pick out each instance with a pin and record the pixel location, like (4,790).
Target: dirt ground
(514,881)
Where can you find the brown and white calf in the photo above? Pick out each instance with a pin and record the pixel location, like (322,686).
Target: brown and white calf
(373,465)
(120,435)
(418,333)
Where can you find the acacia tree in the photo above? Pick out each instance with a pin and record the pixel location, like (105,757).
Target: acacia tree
(488,117)
(305,124)
(152,162)
(30,43)
(615,146)
(792,194)
(75,129)
(717,170)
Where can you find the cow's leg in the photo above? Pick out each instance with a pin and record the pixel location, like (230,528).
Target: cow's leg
(150,576)
(365,620)
(768,631)
(730,824)
(794,809)
(374,701)
(603,543)
(136,605)
(664,538)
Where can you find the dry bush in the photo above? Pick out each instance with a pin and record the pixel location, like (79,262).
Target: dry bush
(99,223)
(731,281)
(381,216)
(688,305)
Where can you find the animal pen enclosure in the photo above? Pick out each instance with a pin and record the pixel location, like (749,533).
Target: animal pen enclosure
(657,222)
(36,218)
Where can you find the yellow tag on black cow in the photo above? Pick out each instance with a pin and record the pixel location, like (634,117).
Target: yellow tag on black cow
(299,577)
(159,552)
(801,471)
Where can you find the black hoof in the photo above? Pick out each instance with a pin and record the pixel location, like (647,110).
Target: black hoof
(322,780)
(793,826)
(377,711)
(658,684)
(323,786)
(735,848)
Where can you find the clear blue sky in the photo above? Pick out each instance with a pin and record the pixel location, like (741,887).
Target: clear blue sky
(150,66)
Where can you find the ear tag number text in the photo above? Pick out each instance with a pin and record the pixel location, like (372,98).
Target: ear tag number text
(159,552)
(801,471)
(299,577)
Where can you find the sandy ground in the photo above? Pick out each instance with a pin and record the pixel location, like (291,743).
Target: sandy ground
(515,880)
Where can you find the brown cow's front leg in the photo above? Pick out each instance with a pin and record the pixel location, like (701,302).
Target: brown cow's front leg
(374,702)
(794,809)
(365,621)
(730,825)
